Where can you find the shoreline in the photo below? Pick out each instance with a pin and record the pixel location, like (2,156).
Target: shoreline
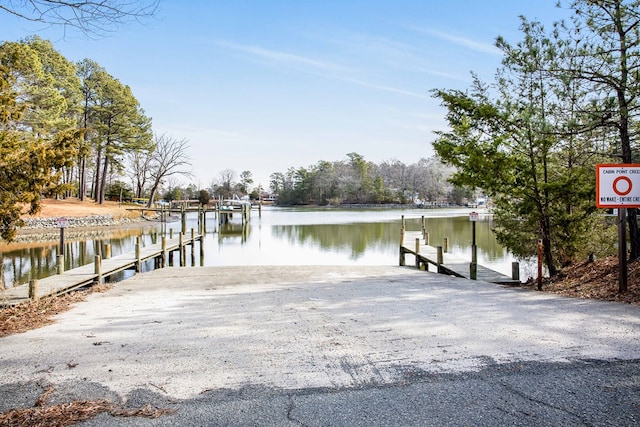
(46,229)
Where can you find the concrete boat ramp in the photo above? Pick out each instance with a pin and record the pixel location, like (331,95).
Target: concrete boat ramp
(270,345)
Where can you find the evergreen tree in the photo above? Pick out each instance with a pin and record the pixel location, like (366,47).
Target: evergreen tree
(520,148)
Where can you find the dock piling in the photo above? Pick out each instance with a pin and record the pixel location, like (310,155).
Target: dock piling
(138,261)
(402,256)
(33,289)
(163,256)
(97,266)
(182,251)
(183,218)
(60,264)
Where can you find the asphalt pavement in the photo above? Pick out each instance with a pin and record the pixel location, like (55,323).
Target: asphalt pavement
(333,346)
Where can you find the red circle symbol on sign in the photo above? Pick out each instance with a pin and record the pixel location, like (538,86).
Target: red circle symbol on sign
(622,192)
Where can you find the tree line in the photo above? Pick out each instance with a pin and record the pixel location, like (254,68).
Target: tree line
(355,180)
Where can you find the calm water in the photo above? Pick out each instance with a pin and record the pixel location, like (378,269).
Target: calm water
(280,236)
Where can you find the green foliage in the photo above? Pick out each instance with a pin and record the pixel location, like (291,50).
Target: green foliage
(203,197)
(38,137)
(119,191)
(119,124)
(355,180)
(174,193)
(518,141)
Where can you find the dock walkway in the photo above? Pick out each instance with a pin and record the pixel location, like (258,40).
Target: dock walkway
(97,271)
(448,264)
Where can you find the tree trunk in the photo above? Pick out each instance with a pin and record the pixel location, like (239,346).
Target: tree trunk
(96,175)
(82,177)
(546,246)
(103,181)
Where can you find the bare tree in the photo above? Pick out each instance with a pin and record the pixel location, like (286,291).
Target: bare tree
(168,159)
(90,17)
(227,180)
(140,162)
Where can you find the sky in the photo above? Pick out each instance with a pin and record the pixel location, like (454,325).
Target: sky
(265,85)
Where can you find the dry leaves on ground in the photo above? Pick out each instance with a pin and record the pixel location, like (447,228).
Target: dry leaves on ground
(66,414)
(34,314)
(596,280)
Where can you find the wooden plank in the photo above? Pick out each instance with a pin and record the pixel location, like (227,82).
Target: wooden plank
(85,275)
(451,264)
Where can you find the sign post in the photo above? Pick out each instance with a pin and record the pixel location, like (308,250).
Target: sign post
(473,217)
(62,223)
(618,186)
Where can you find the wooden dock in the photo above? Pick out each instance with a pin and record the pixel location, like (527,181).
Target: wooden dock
(413,243)
(100,270)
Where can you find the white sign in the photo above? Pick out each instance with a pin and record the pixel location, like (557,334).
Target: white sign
(618,186)
(62,222)
(473,216)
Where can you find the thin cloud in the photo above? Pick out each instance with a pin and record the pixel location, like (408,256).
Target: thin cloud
(386,88)
(284,58)
(461,41)
(390,53)
(316,67)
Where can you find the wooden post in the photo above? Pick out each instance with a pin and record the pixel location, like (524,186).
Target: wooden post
(204,221)
(107,251)
(171,233)
(199,221)
(138,260)
(622,251)
(97,268)
(418,252)
(402,258)
(201,251)
(33,289)
(426,238)
(183,218)
(439,257)
(515,271)
(473,270)
(60,264)
(446,245)
(193,248)
(182,252)
(163,260)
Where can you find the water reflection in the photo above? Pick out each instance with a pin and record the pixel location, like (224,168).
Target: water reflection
(278,236)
